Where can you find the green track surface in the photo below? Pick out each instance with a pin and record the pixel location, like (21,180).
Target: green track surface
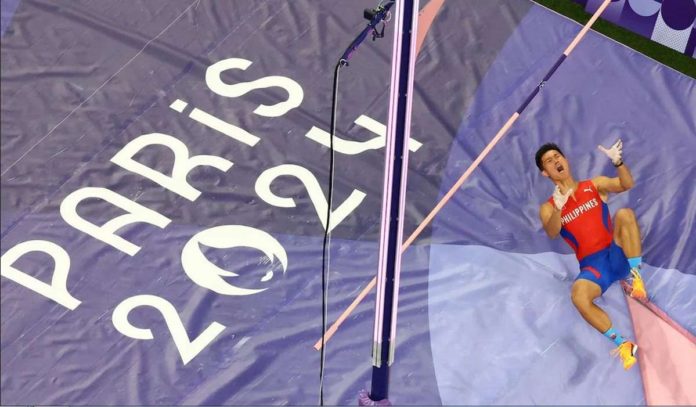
(658,52)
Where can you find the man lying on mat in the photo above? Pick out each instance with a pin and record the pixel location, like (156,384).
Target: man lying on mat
(607,251)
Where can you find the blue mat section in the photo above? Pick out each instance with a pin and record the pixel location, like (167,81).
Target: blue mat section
(511,321)
(7,10)
(523,335)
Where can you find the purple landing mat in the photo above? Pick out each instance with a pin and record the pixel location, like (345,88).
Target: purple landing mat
(511,319)
(81,80)
(602,92)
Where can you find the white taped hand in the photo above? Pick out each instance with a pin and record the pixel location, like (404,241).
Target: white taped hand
(613,152)
(560,199)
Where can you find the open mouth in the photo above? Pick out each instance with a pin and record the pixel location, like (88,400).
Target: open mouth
(560,168)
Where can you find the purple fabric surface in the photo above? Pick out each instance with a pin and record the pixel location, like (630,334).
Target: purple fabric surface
(83,79)
(80,80)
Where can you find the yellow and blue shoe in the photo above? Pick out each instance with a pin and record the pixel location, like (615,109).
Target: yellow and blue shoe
(637,285)
(627,353)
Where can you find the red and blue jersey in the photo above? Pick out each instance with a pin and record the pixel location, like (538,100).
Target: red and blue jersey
(585,221)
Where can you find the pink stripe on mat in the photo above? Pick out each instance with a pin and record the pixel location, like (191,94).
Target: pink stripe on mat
(425,20)
(666,354)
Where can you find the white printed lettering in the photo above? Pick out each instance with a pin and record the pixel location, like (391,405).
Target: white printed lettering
(183,164)
(206,274)
(263,189)
(350,147)
(188,349)
(106,232)
(214,81)
(57,290)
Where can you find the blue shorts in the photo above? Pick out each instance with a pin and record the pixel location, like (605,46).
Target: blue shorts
(605,266)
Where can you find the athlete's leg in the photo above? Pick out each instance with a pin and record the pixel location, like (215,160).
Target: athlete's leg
(627,236)
(583,295)
(627,232)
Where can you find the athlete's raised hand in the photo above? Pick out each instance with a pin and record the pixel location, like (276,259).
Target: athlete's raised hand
(559,198)
(614,152)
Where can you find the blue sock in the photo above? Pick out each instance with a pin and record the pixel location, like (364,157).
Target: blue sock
(614,336)
(634,262)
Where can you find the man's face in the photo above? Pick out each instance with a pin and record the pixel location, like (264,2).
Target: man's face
(555,166)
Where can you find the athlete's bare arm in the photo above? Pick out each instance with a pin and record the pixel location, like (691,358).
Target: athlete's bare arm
(606,185)
(550,219)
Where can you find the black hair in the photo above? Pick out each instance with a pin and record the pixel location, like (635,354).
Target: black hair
(543,150)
